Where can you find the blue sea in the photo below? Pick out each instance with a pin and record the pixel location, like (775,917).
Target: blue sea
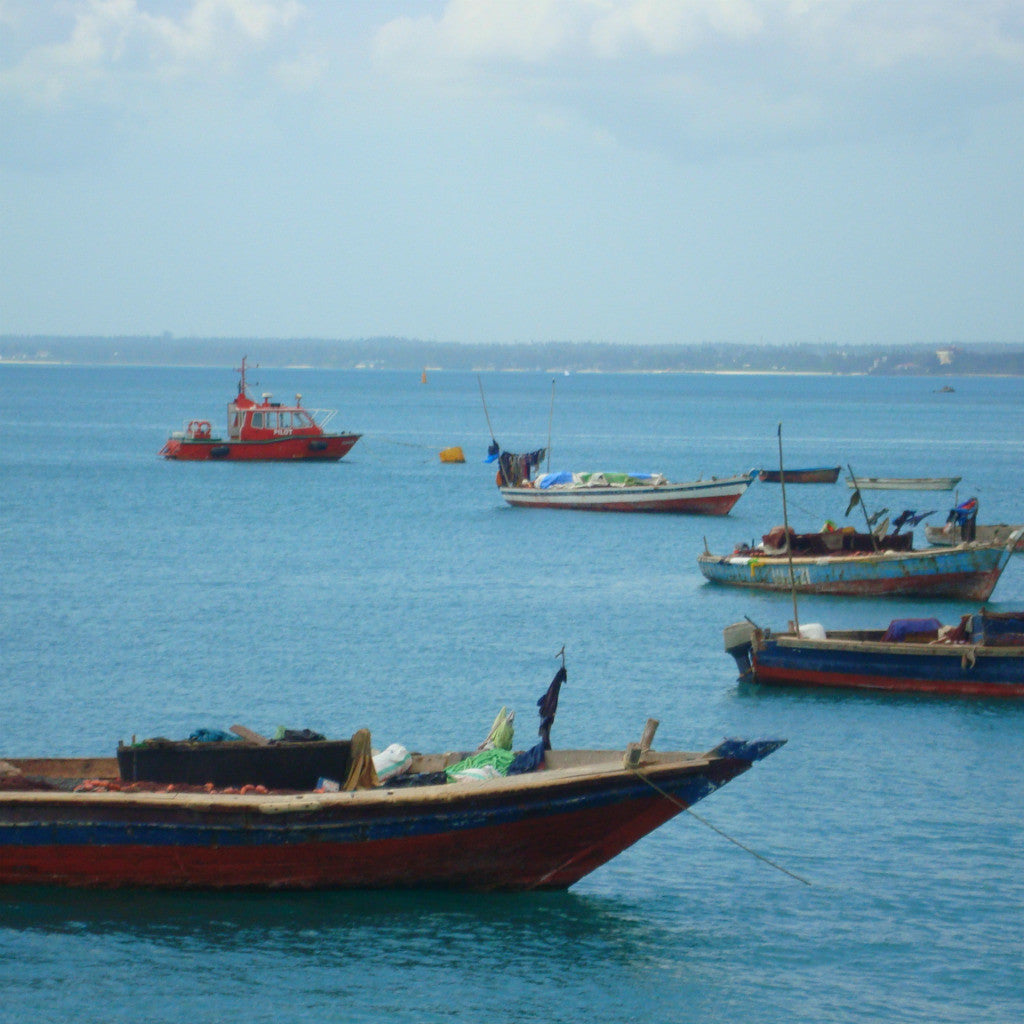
(390,591)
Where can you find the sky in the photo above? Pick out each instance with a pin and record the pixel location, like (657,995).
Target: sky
(625,171)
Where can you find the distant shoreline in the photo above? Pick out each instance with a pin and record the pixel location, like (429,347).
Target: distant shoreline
(71,364)
(980,359)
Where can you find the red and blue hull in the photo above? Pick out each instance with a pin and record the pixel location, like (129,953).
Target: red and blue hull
(542,831)
(951,669)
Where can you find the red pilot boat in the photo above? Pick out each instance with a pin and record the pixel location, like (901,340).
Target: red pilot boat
(268,431)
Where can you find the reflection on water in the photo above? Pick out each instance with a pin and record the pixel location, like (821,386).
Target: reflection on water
(365,955)
(293,923)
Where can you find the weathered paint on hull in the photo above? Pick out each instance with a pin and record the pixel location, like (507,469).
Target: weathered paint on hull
(970,573)
(917,668)
(715,498)
(547,836)
(329,448)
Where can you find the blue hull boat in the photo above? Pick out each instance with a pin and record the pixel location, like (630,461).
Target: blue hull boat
(983,656)
(966,571)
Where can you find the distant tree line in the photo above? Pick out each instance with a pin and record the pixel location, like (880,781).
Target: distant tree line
(387,353)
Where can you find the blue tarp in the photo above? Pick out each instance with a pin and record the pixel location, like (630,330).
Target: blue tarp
(900,628)
(550,479)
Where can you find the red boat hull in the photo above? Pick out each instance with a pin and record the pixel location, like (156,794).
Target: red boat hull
(720,506)
(544,830)
(326,448)
(827,475)
(552,853)
(963,687)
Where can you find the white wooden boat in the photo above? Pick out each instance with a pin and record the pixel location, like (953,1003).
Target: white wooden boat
(903,483)
(619,492)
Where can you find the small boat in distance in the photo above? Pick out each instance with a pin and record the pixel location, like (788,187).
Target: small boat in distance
(818,475)
(961,526)
(995,535)
(901,483)
(490,820)
(621,492)
(268,431)
(982,656)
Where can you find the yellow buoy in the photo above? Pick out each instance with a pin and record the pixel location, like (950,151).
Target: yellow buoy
(452,455)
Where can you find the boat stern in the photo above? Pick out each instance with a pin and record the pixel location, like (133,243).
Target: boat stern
(738,641)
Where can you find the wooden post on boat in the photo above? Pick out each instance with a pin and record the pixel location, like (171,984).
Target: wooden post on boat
(789,542)
(635,751)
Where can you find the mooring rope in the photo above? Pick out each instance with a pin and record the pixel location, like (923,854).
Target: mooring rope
(715,828)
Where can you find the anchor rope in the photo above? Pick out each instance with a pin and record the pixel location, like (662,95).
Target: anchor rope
(715,828)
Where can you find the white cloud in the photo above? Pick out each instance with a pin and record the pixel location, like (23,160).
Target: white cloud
(471,31)
(868,32)
(688,73)
(109,38)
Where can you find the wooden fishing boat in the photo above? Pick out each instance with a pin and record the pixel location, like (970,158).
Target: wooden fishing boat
(994,535)
(847,562)
(543,822)
(616,492)
(901,483)
(961,526)
(264,431)
(543,830)
(982,656)
(818,475)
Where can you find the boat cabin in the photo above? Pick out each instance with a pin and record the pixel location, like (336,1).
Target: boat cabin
(268,420)
(248,421)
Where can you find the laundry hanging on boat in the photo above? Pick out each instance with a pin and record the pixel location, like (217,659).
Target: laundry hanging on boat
(515,468)
(910,517)
(530,760)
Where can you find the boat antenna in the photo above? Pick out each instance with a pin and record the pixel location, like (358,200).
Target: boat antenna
(789,539)
(551,416)
(858,499)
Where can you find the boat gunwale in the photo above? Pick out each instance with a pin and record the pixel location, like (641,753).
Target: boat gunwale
(844,558)
(914,647)
(653,763)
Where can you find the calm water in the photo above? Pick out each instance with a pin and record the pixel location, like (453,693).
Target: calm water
(393,592)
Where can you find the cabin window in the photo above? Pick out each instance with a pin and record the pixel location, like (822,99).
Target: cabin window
(303,419)
(257,419)
(234,423)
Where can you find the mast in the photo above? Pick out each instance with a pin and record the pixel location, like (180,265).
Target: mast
(241,370)
(551,416)
(858,499)
(789,542)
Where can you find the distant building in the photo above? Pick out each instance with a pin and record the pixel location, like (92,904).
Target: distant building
(946,356)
